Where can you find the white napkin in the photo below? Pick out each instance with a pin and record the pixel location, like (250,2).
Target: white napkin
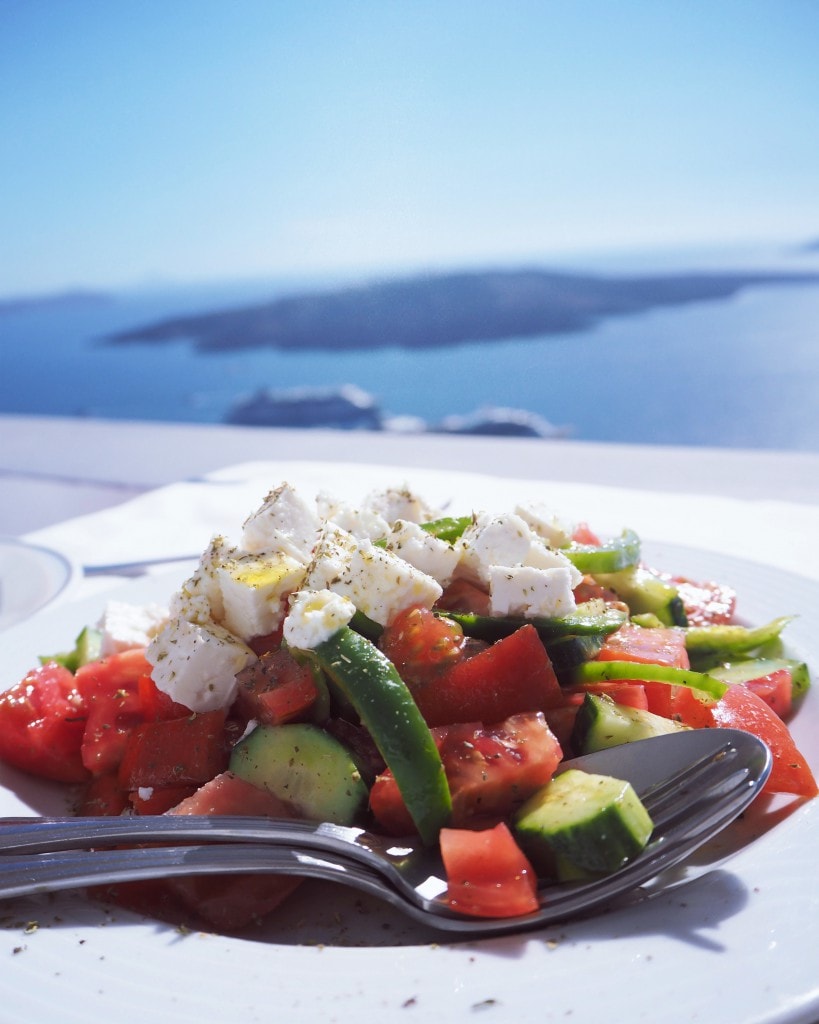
(180,519)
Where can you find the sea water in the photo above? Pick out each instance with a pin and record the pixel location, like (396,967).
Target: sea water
(737,372)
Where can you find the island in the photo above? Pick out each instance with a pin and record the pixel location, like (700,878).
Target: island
(433,310)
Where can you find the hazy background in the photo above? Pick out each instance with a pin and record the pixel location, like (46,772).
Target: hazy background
(200,145)
(196,139)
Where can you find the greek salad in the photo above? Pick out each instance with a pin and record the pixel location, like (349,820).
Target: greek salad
(421,673)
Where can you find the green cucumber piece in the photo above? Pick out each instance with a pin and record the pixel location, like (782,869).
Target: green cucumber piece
(570,652)
(645,592)
(619,553)
(595,822)
(304,766)
(87,647)
(590,618)
(372,685)
(606,671)
(755,668)
(601,723)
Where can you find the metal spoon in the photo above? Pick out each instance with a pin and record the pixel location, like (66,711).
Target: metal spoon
(693,784)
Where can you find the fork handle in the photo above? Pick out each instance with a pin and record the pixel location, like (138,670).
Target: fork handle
(42,835)
(76,869)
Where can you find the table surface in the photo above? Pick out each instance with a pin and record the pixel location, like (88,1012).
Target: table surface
(52,469)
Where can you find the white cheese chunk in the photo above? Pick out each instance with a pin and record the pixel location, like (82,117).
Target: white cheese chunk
(528,591)
(400,503)
(506,540)
(545,524)
(314,616)
(199,599)
(196,665)
(254,592)
(285,523)
(430,554)
(125,626)
(377,582)
(360,522)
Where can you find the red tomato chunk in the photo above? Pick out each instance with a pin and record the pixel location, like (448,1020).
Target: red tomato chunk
(491,770)
(488,875)
(42,722)
(512,676)
(647,645)
(741,708)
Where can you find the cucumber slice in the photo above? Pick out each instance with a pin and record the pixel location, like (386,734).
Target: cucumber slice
(601,723)
(570,653)
(595,822)
(644,592)
(616,554)
(372,685)
(755,668)
(87,648)
(306,767)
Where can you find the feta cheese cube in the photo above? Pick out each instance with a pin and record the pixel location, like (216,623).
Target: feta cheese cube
(545,524)
(360,522)
(125,626)
(400,503)
(377,582)
(430,554)
(314,616)
(526,590)
(284,523)
(199,599)
(254,590)
(506,540)
(196,665)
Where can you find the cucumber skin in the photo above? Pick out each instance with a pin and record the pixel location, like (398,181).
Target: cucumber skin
(601,723)
(371,683)
(622,552)
(742,671)
(555,834)
(288,752)
(644,592)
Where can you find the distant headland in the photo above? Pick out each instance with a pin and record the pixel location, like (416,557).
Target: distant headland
(434,310)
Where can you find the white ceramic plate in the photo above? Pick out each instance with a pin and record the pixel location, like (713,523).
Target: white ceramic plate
(31,577)
(734,943)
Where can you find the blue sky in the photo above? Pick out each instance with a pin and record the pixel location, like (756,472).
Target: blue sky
(190,140)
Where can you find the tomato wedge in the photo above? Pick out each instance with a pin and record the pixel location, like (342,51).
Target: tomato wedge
(42,721)
(490,769)
(178,752)
(512,676)
(655,645)
(741,708)
(488,875)
(120,695)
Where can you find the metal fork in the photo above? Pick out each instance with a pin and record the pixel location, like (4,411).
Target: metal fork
(693,784)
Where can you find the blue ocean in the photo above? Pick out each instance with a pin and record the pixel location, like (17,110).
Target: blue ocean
(735,372)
